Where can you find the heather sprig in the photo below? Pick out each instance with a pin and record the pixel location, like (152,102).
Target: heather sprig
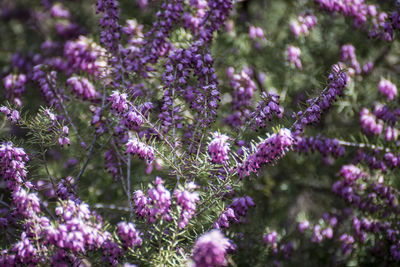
(128,127)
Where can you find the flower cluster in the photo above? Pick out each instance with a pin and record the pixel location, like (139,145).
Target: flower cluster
(193,20)
(361,13)
(337,83)
(256,32)
(267,152)
(24,253)
(134,31)
(156,44)
(82,87)
(270,240)
(244,88)
(154,206)
(219,148)
(385,114)
(217,13)
(12,115)
(348,53)
(59,11)
(234,212)
(47,83)
(345,188)
(211,249)
(131,117)
(12,162)
(15,87)
(266,109)
(135,147)
(129,235)
(26,204)
(387,88)
(323,145)
(85,55)
(76,230)
(303,25)
(293,56)
(66,190)
(109,22)
(381,120)
(187,201)
(369,123)
(203,100)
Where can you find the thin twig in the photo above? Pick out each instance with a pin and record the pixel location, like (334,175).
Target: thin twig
(69,118)
(111,207)
(64,108)
(117,151)
(362,145)
(170,163)
(4,203)
(47,169)
(89,155)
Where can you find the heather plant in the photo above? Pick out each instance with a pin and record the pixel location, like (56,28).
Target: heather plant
(199,133)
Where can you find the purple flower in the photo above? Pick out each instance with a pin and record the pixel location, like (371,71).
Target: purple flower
(133,118)
(244,88)
(160,201)
(219,148)
(369,123)
(109,22)
(367,68)
(348,53)
(210,249)
(391,134)
(65,190)
(337,83)
(134,146)
(129,235)
(25,251)
(351,173)
(47,83)
(14,87)
(256,32)
(347,243)
(237,209)
(293,56)
(12,115)
(154,206)
(387,88)
(266,109)
(12,165)
(59,11)
(325,146)
(187,201)
(84,54)
(193,20)
(303,25)
(119,101)
(270,241)
(303,225)
(267,152)
(82,87)
(26,204)
(141,204)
